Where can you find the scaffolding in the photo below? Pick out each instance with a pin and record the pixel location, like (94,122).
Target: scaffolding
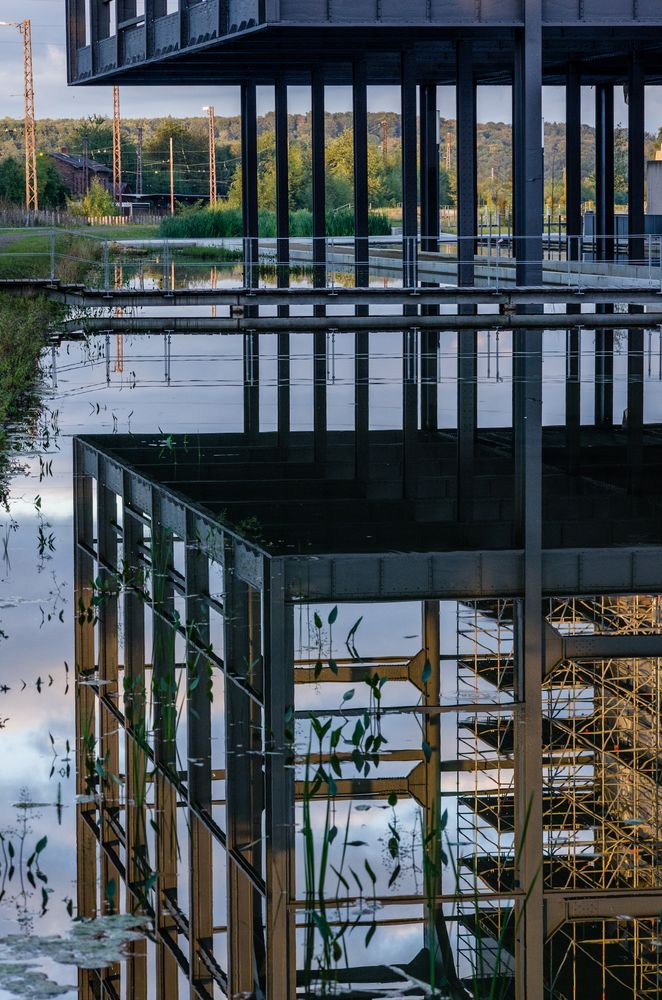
(601,791)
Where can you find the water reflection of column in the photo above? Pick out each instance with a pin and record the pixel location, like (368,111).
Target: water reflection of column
(278,647)
(135,824)
(244,782)
(86,848)
(199,761)
(574,223)
(165,707)
(435,925)
(108,753)
(251,345)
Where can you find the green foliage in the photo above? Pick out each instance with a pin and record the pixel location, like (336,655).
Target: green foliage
(227,222)
(23,325)
(52,192)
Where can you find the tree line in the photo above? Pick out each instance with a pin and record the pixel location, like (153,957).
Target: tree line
(191,158)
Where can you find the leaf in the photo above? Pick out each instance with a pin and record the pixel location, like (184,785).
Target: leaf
(318,621)
(356,843)
(341,878)
(319,666)
(333,833)
(394,876)
(41,845)
(348,695)
(393,799)
(333,615)
(371,874)
(322,925)
(371,933)
(357,735)
(333,667)
(427,672)
(427,750)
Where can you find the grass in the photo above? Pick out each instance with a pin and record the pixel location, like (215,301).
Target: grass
(29,256)
(23,323)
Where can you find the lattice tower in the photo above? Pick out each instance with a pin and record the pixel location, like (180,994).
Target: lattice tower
(117,146)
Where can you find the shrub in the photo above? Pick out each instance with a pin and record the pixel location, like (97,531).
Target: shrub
(227,223)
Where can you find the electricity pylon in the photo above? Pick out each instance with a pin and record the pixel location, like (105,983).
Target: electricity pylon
(117,147)
(213,191)
(31,192)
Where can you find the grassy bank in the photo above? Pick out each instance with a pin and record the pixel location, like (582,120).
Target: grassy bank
(219,223)
(23,325)
(29,256)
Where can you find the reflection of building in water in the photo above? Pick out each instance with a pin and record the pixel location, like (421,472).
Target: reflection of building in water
(525,701)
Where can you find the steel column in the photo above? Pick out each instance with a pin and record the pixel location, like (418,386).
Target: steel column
(249,190)
(636,159)
(467,362)
(86,847)
(362,268)
(244,782)
(574,231)
(283,253)
(135,810)
(318,144)
(604,171)
(409,167)
(573,160)
(527,430)
(361,193)
(429,160)
(165,710)
(199,757)
(527,147)
(318,141)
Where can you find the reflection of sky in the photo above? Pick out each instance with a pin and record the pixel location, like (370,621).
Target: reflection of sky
(204,394)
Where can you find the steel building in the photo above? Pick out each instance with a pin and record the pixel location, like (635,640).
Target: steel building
(545,542)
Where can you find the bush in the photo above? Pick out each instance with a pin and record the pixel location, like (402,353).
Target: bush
(227,223)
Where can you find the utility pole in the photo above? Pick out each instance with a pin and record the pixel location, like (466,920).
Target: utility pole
(31,191)
(172,179)
(86,164)
(213,189)
(117,147)
(384,127)
(139,163)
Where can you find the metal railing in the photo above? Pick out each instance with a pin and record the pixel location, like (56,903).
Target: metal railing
(75,256)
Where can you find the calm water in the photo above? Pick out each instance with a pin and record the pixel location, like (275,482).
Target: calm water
(183,385)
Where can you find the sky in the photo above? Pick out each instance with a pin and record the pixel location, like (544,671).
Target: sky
(55,100)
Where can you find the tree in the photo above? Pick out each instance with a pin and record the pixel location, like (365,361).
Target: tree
(12,181)
(98,201)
